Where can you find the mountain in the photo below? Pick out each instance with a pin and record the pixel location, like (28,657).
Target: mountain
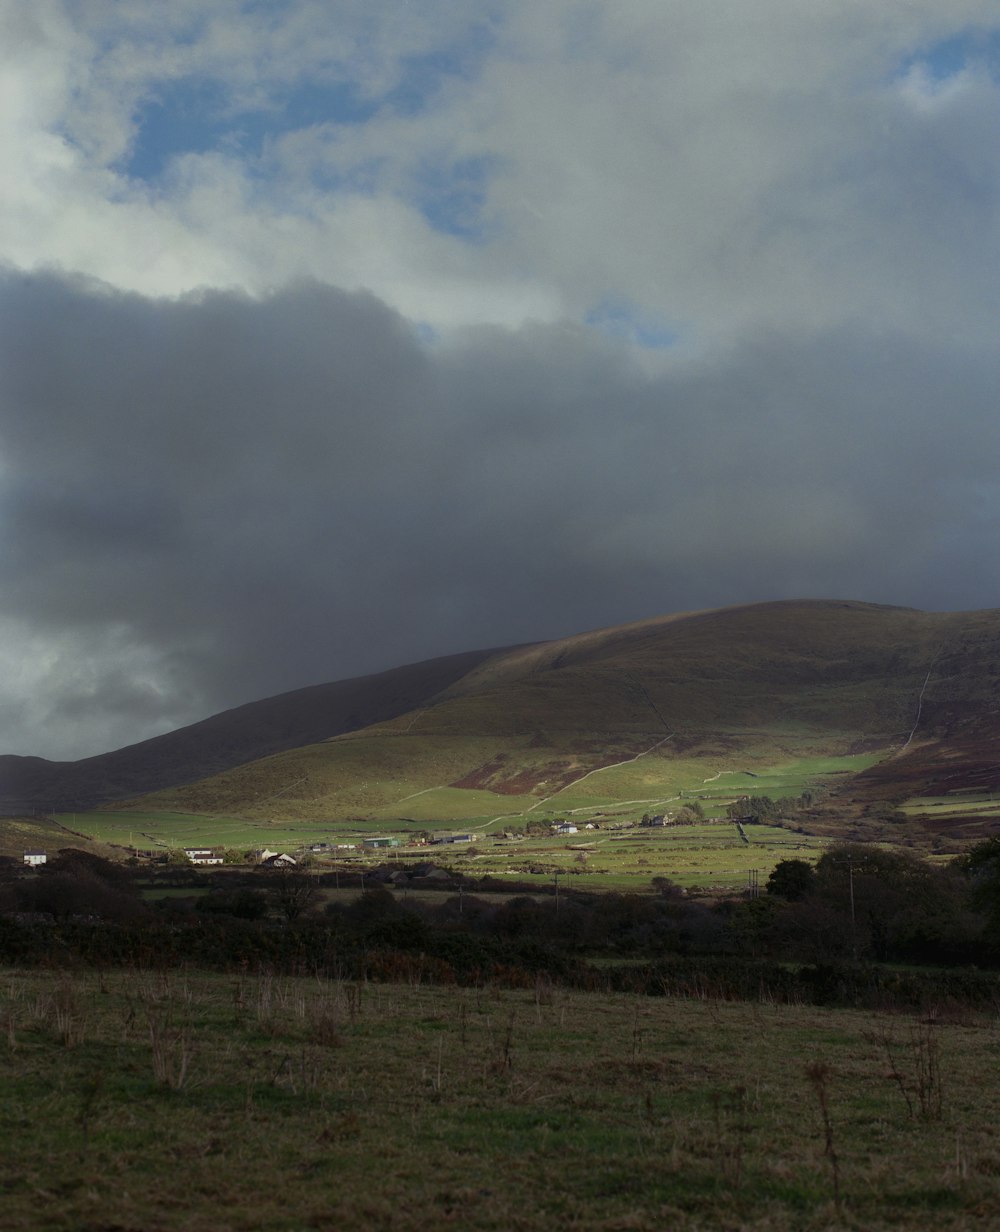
(231,738)
(877,703)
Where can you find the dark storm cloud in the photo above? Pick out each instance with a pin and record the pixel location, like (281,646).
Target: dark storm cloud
(209,500)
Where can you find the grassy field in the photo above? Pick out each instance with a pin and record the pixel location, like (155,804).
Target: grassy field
(614,795)
(966,803)
(709,854)
(158,828)
(386,777)
(156,1102)
(696,855)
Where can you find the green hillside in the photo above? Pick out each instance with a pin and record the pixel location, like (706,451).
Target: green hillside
(864,702)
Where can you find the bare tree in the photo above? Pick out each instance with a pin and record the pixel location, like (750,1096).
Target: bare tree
(295,894)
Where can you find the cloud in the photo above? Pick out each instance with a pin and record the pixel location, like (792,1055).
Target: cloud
(209,500)
(333,336)
(715,167)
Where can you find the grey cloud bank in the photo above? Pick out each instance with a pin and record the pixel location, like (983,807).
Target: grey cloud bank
(334,335)
(210,500)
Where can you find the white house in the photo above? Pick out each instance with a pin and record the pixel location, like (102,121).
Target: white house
(279,860)
(202,855)
(35,857)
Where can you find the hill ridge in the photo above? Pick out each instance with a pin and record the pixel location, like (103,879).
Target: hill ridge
(780,679)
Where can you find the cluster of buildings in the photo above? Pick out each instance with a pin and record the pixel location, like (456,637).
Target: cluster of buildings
(279,859)
(209,855)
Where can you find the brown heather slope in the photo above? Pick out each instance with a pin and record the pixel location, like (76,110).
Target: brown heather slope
(21,834)
(229,739)
(732,689)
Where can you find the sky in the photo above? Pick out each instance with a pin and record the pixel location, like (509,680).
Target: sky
(341,334)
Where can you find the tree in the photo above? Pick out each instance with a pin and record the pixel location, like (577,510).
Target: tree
(244,904)
(757,808)
(898,905)
(792,880)
(294,893)
(980,868)
(983,859)
(78,883)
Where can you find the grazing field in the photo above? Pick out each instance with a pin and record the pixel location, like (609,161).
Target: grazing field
(154,1102)
(163,829)
(966,803)
(709,854)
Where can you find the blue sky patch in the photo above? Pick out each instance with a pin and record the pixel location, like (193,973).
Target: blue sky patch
(620,318)
(451,197)
(951,56)
(193,116)
(423,75)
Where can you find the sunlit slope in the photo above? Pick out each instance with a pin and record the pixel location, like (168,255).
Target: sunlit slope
(644,712)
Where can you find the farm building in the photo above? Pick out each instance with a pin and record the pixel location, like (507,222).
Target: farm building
(34,858)
(202,855)
(373,844)
(566,827)
(279,859)
(448,836)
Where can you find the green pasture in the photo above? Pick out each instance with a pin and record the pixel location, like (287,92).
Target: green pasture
(691,856)
(434,805)
(966,803)
(787,779)
(707,854)
(711,854)
(390,775)
(147,830)
(148,1100)
(647,785)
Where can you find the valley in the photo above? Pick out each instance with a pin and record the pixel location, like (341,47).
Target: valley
(853,721)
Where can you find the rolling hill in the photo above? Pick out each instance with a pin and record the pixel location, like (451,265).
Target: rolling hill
(231,738)
(873,704)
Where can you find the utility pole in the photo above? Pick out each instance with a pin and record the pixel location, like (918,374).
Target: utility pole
(854,931)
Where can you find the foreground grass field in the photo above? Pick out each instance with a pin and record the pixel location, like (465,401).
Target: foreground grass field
(155,1102)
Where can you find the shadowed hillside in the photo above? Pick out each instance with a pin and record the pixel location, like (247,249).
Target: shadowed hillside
(20,834)
(229,739)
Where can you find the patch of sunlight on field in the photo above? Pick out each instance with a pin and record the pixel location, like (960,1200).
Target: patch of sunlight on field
(175,830)
(659,783)
(627,860)
(435,804)
(968,804)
